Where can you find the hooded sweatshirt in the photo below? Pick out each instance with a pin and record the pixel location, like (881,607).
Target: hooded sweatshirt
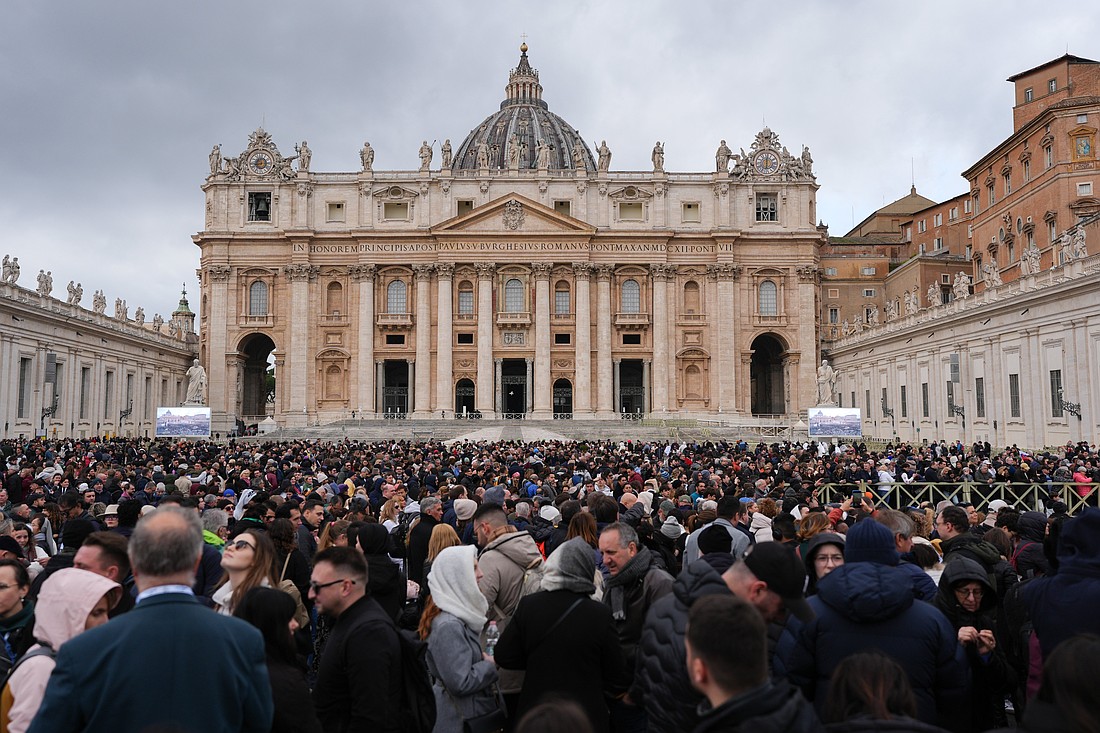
(62,611)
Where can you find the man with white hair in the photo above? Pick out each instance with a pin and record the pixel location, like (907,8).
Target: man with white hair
(990,517)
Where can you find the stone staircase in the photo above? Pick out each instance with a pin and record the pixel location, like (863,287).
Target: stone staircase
(526,430)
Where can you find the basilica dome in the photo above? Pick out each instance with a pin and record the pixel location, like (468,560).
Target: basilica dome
(525,123)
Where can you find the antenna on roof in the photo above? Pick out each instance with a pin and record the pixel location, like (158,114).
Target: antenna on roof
(912,173)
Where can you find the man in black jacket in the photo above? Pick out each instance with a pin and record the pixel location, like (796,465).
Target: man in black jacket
(359,676)
(431,514)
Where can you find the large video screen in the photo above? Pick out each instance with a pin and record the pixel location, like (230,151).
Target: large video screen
(836,422)
(183,422)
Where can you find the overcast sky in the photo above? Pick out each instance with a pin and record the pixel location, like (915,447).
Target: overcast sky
(109,108)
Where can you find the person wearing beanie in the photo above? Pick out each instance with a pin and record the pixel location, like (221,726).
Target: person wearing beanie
(867,604)
(464,509)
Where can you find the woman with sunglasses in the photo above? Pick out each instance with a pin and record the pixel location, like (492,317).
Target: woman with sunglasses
(249,562)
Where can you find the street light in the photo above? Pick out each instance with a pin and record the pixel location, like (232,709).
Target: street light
(49,412)
(1073,408)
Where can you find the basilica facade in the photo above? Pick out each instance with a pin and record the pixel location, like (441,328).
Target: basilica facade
(516,274)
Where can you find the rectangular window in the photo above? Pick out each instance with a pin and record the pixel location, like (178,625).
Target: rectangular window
(904,403)
(867,400)
(464,206)
(937,243)
(1048,156)
(1052,85)
(922,226)
(85,383)
(967,206)
(1029,94)
(1052,230)
(1013,395)
(920,249)
(924,399)
(395,339)
(853,396)
(937,220)
(690,213)
(834,316)
(465,339)
(954,367)
(1027,171)
(868,292)
(163,393)
(830,271)
(148,397)
(395,211)
(1084,189)
(979,396)
(561,302)
(868,270)
(561,339)
(991,195)
(766,207)
(884,403)
(631,211)
(465,302)
(564,208)
(950,398)
(24,387)
(953,214)
(632,339)
(1056,393)
(908,234)
(1082,119)
(1008,183)
(335,211)
(259,206)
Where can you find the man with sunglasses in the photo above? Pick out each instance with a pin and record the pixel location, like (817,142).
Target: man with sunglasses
(359,675)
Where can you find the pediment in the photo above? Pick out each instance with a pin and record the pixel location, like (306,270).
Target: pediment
(394,193)
(630,193)
(513,214)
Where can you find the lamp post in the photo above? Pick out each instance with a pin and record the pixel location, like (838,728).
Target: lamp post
(887,412)
(123,414)
(49,412)
(1073,408)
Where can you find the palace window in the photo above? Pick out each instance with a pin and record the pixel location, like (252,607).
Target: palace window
(465,299)
(565,208)
(1029,94)
(991,195)
(1084,189)
(691,297)
(631,297)
(631,211)
(924,399)
(396,297)
(937,220)
(24,388)
(904,403)
(257,299)
(868,270)
(768,299)
(1008,183)
(1052,85)
(395,211)
(259,206)
(513,296)
(1056,393)
(464,206)
(1027,171)
(834,316)
(1014,395)
(979,396)
(465,339)
(561,298)
(335,299)
(1048,156)
(690,213)
(766,207)
(335,211)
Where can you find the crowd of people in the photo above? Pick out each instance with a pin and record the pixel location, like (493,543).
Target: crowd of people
(549,586)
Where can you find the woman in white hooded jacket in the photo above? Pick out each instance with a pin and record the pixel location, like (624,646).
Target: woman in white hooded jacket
(71,601)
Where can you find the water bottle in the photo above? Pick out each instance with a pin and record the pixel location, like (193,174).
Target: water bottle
(492,636)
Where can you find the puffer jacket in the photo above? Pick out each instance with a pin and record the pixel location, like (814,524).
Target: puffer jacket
(1029,560)
(864,605)
(761,527)
(772,708)
(62,612)
(988,556)
(661,682)
(1064,605)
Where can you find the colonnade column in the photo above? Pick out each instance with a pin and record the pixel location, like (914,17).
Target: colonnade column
(444,388)
(543,405)
(659,280)
(527,387)
(217,284)
(423,383)
(604,398)
(582,362)
(379,385)
(647,391)
(498,387)
(485,394)
(728,364)
(300,275)
(615,394)
(365,366)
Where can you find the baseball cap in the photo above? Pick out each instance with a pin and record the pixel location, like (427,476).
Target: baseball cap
(777,565)
(997,505)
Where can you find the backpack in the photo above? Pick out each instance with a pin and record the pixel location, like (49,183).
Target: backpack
(417,696)
(1015,556)
(6,698)
(532,577)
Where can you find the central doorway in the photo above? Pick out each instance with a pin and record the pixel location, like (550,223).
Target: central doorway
(395,388)
(513,388)
(631,389)
(766,375)
(464,398)
(563,400)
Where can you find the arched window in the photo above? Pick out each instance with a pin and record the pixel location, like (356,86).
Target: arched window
(335,298)
(561,298)
(257,299)
(395,297)
(465,298)
(691,297)
(513,296)
(632,297)
(768,299)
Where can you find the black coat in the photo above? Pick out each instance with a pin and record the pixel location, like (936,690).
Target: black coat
(580,660)
(1028,559)
(293,705)
(661,681)
(772,708)
(419,536)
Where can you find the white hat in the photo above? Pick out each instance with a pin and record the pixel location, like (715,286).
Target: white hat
(997,505)
(550,514)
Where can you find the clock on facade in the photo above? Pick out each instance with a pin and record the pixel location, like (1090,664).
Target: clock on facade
(766,163)
(260,163)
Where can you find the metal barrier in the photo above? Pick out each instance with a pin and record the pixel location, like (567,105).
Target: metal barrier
(1026,497)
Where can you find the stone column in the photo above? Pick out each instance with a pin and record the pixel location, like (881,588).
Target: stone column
(423,405)
(365,367)
(659,282)
(527,387)
(300,276)
(444,387)
(724,330)
(744,386)
(485,396)
(616,396)
(646,407)
(379,385)
(582,367)
(410,366)
(543,394)
(605,406)
(804,391)
(498,387)
(217,285)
